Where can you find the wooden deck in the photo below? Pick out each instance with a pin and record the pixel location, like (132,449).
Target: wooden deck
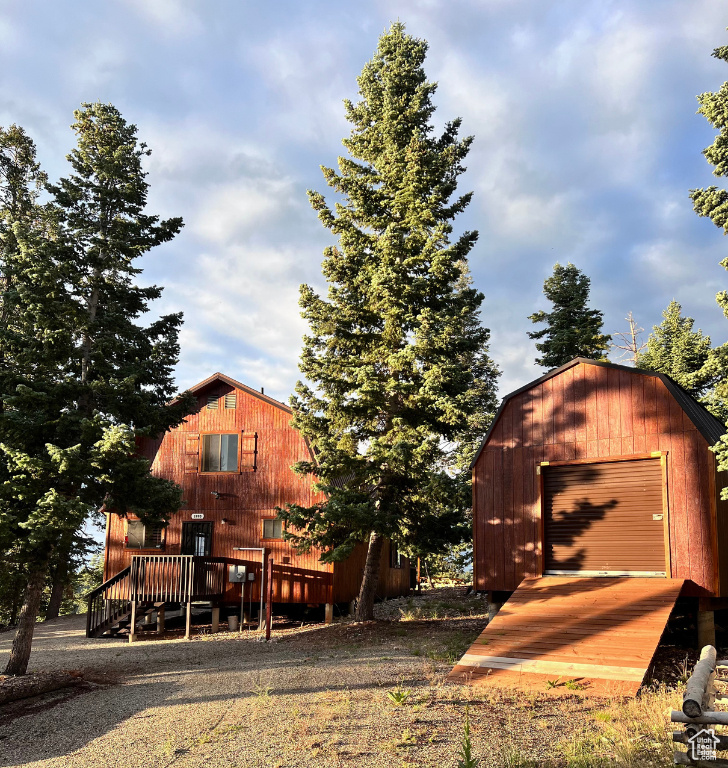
(601,632)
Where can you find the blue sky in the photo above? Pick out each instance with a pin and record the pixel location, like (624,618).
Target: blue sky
(586,144)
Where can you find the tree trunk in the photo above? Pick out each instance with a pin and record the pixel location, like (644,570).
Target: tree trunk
(60,582)
(367,592)
(20,653)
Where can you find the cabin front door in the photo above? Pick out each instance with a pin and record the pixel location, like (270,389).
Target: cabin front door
(197,539)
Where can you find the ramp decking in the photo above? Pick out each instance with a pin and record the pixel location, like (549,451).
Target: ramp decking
(601,632)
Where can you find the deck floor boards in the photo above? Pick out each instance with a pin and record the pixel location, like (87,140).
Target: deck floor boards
(601,632)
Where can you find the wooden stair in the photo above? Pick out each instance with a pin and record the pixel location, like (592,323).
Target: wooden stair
(599,634)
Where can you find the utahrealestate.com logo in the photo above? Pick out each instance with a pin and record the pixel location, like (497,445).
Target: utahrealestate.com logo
(703,744)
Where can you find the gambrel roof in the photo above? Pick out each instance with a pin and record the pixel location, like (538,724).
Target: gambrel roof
(711,428)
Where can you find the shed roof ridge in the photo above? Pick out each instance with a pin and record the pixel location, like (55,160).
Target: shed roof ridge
(705,422)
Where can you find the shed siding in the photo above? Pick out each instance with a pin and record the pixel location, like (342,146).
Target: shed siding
(590,412)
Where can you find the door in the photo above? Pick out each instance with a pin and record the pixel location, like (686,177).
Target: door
(604,519)
(197,539)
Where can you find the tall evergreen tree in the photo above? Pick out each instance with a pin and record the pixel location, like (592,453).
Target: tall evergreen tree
(676,349)
(396,357)
(572,329)
(712,202)
(82,377)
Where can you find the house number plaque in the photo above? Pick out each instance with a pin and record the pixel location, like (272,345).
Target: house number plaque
(197,516)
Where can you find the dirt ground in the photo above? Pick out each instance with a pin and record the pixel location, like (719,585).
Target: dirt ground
(348,694)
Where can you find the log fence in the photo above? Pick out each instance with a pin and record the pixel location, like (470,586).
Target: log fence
(698,714)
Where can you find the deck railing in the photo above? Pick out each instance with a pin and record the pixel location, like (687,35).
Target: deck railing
(156,579)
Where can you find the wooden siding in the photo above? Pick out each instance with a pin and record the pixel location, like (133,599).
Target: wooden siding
(589,412)
(246,498)
(347,576)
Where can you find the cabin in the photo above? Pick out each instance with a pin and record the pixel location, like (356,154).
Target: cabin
(595,487)
(232,458)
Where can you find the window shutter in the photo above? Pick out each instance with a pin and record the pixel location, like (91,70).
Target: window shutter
(192,452)
(212,403)
(249,452)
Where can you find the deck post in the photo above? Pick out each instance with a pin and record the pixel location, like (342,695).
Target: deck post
(160,620)
(328,613)
(706,623)
(188,620)
(132,620)
(215,619)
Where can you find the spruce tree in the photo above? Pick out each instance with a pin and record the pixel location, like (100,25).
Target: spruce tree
(572,329)
(396,359)
(712,202)
(675,349)
(83,378)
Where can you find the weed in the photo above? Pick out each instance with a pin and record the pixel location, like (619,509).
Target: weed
(510,756)
(398,696)
(466,747)
(554,683)
(575,685)
(261,690)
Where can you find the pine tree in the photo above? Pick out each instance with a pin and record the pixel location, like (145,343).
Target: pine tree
(675,349)
(396,357)
(572,329)
(83,378)
(712,202)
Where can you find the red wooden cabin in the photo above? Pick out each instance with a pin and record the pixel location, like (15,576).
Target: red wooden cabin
(233,458)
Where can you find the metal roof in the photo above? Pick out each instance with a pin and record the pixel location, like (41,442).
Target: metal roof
(711,428)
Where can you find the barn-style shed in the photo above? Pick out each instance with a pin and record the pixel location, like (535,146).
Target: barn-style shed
(600,469)
(597,479)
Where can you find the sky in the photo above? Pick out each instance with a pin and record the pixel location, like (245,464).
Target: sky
(586,145)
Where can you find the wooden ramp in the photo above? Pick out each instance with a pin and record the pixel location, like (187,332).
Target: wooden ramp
(600,632)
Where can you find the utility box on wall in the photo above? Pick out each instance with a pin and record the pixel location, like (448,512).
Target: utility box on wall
(238,574)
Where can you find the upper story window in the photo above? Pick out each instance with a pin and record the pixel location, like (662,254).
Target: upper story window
(220,453)
(212,403)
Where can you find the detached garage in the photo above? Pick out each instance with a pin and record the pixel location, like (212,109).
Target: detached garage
(600,470)
(596,504)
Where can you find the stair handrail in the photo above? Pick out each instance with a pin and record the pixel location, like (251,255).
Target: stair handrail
(97,614)
(96,591)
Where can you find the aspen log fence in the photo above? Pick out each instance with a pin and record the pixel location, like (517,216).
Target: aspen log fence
(698,713)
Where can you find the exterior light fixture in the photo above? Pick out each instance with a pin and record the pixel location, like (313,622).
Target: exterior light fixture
(216,494)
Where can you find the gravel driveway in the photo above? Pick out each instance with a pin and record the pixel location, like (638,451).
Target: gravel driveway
(312,698)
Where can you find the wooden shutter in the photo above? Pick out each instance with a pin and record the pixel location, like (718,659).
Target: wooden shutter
(231,400)
(249,452)
(605,518)
(192,452)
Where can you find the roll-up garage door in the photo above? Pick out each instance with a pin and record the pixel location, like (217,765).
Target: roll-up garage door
(604,519)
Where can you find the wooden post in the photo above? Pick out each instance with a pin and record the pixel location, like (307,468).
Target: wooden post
(329,613)
(269,599)
(706,628)
(215,619)
(132,622)
(188,622)
(419,574)
(160,620)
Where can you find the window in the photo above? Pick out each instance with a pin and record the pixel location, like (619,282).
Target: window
(395,558)
(212,403)
(230,400)
(141,536)
(219,453)
(272,529)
